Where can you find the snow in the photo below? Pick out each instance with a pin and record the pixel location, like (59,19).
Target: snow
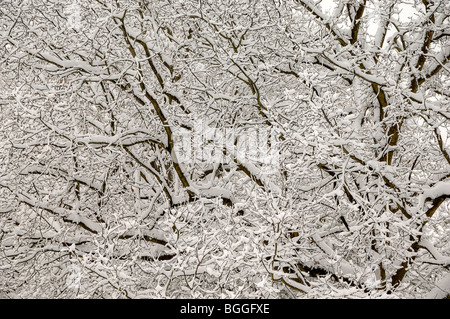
(68,64)
(296,284)
(442,289)
(438,190)
(439,258)
(39,169)
(326,249)
(283,212)
(126,138)
(344,267)
(259,174)
(350,68)
(212,192)
(375,165)
(104,127)
(68,216)
(77,219)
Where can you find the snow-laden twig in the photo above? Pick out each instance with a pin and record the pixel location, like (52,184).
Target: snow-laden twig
(439,258)
(442,289)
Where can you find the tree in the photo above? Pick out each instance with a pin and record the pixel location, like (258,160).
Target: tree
(225,149)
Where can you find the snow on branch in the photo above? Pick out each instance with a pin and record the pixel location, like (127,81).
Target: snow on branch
(346,269)
(442,289)
(439,258)
(39,169)
(68,216)
(440,189)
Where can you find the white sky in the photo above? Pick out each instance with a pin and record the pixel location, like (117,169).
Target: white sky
(407,13)
(406,7)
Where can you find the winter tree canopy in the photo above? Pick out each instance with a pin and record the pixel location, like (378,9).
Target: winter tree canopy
(224,149)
